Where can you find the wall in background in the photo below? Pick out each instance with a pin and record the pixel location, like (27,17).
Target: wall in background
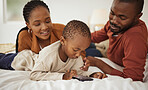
(62,11)
(145,12)
(65,10)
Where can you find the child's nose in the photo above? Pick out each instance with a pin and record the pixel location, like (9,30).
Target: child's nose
(78,54)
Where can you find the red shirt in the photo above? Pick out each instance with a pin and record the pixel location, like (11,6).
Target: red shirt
(128,49)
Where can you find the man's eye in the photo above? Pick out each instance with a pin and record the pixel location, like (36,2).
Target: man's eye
(112,13)
(122,18)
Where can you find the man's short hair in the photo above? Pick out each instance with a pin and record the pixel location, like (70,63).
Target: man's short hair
(74,28)
(139,4)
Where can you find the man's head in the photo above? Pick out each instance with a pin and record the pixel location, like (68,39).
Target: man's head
(125,14)
(75,39)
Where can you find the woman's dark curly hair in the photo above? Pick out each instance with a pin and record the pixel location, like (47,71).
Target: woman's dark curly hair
(30,6)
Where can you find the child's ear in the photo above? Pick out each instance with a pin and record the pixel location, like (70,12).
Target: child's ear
(62,40)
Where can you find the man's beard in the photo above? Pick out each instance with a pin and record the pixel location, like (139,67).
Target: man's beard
(120,30)
(112,30)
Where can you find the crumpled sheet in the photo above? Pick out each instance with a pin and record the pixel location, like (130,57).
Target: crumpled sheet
(7,48)
(19,80)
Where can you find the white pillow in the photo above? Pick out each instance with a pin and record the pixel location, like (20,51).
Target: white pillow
(109,62)
(95,69)
(145,79)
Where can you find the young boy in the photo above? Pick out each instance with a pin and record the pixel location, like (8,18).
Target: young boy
(61,60)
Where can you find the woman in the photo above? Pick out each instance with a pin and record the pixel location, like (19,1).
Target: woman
(38,33)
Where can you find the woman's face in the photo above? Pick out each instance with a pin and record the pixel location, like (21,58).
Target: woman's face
(40,23)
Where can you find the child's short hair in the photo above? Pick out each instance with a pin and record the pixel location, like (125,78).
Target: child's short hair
(74,28)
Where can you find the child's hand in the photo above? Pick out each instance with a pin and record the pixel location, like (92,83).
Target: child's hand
(69,74)
(98,75)
(86,64)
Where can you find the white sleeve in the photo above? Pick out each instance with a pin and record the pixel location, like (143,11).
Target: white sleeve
(42,69)
(40,72)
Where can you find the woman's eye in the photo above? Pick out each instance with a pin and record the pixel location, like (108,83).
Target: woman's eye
(37,24)
(47,21)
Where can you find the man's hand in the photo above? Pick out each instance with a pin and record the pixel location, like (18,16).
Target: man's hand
(98,75)
(88,61)
(91,61)
(69,74)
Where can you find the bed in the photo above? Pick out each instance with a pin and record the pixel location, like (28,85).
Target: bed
(19,80)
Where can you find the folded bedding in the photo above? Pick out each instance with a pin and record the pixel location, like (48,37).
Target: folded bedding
(7,48)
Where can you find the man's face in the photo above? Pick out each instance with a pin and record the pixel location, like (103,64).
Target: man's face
(122,16)
(74,47)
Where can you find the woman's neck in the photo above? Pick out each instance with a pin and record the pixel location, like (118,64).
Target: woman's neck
(43,43)
(62,54)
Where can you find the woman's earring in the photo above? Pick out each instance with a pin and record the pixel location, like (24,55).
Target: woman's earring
(29,30)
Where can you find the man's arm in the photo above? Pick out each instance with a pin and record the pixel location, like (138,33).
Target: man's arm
(100,35)
(135,50)
(107,69)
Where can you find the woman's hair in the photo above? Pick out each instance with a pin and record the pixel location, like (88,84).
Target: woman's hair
(30,6)
(74,28)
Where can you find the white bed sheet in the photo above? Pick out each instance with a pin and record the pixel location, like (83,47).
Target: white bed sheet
(19,80)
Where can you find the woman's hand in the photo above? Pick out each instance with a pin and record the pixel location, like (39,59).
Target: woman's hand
(98,75)
(69,74)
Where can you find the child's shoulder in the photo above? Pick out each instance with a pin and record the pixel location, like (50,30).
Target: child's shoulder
(50,48)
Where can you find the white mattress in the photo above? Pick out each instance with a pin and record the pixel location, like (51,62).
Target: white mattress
(19,80)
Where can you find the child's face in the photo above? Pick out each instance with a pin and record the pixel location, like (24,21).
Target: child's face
(40,22)
(74,47)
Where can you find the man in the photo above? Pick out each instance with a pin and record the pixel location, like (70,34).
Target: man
(127,36)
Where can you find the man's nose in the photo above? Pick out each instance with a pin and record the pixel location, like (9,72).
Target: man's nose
(115,20)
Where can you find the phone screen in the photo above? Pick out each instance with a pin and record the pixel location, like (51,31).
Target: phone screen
(82,78)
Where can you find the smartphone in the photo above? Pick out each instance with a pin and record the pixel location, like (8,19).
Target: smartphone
(82,78)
